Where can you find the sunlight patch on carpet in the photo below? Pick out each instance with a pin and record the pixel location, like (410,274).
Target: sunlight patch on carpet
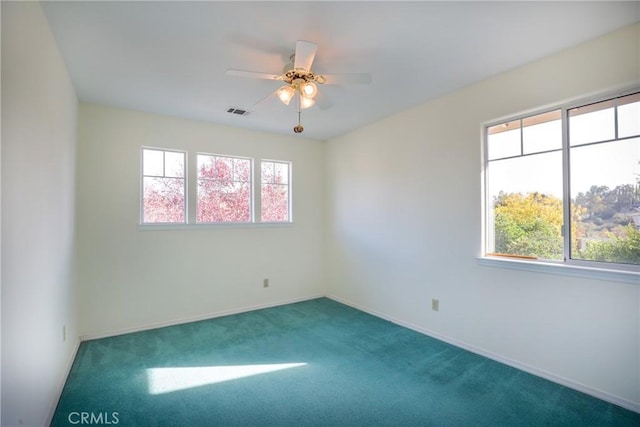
(166,380)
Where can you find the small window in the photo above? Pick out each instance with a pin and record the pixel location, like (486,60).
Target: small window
(224,189)
(275,190)
(163,186)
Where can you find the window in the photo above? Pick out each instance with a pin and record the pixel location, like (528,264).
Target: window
(604,154)
(224,189)
(564,186)
(163,186)
(275,200)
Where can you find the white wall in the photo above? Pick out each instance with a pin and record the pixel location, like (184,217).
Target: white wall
(404,226)
(39,112)
(131,278)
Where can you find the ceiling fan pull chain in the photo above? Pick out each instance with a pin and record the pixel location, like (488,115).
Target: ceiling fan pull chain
(298,128)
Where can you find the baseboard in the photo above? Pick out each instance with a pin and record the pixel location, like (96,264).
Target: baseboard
(195,318)
(599,394)
(62,382)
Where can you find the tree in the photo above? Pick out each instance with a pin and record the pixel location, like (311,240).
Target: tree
(528,225)
(163,200)
(224,190)
(594,200)
(620,249)
(275,191)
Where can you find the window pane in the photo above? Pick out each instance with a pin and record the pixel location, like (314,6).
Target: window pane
(242,170)
(525,197)
(163,200)
(206,166)
(153,162)
(163,186)
(224,168)
(542,132)
(275,192)
(504,140)
(281,173)
(275,203)
(591,123)
(605,202)
(629,116)
(174,164)
(224,189)
(267,172)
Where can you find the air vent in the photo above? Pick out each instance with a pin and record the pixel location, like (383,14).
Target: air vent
(237,111)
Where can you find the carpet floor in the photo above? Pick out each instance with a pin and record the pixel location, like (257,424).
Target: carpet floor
(314,363)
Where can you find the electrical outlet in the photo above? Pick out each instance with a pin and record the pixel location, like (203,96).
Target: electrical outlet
(265,283)
(64,333)
(435,304)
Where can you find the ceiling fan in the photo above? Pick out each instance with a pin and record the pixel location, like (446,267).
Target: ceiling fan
(300,81)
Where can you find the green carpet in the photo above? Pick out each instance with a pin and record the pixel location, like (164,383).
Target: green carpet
(312,363)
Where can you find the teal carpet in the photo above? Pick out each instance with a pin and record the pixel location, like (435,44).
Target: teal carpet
(315,363)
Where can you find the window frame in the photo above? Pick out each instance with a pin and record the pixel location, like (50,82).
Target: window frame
(185,179)
(191,195)
(568,266)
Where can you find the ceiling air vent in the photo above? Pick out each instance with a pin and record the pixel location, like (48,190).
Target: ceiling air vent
(237,111)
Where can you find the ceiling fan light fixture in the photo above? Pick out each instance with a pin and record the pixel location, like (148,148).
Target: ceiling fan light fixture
(309,90)
(306,102)
(286,93)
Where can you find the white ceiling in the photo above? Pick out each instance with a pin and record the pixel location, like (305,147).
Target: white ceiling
(170,57)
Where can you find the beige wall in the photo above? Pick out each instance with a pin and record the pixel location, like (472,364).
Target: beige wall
(39,112)
(132,278)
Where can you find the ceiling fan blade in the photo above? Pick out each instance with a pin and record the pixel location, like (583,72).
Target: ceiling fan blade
(263,99)
(305,53)
(253,74)
(345,79)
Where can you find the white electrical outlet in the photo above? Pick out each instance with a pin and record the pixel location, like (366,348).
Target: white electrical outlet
(435,304)
(265,283)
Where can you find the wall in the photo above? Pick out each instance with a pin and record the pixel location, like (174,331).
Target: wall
(132,278)
(39,112)
(404,226)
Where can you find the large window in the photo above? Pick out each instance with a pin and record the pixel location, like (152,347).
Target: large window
(224,189)
(564,185)
(275,205)
(163,186)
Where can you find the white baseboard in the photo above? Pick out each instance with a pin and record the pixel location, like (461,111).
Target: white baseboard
(195,318)
(602,395)
(56,398)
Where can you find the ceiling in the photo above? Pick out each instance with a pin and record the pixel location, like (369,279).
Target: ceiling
(171,57)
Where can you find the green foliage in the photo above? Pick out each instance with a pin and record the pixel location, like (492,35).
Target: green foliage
(528,225)
(624,249)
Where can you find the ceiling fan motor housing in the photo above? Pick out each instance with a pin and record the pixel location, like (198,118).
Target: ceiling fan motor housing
(304,75)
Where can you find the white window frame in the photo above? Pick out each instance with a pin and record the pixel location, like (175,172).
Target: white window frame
(289,191)
(573,267)
(184,179)
(191,198)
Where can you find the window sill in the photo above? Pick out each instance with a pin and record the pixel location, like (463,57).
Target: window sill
(562,269)
(235,225)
